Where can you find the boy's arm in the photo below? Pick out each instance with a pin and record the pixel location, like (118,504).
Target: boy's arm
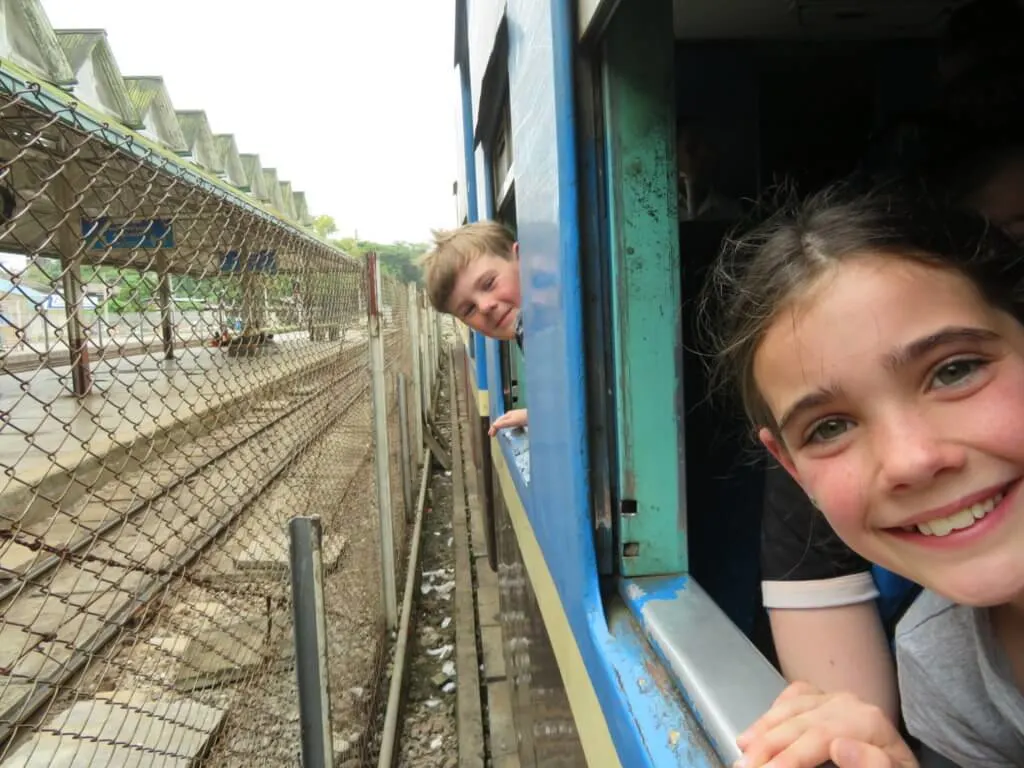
(508,420)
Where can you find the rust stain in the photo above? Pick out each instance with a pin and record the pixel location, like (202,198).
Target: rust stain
(661,678)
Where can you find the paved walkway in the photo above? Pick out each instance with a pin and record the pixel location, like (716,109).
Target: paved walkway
(46,432)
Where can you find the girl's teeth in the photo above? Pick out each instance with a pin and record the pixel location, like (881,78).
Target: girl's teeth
(965,518)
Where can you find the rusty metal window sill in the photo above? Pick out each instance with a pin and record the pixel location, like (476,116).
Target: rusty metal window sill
(724,679)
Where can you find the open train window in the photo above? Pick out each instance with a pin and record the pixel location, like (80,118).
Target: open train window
(695,126)
(511,358)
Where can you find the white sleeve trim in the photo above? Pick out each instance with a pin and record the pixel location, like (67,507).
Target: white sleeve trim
(851,589)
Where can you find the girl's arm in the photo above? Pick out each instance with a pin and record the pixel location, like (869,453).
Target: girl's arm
(838,649)
(805,728)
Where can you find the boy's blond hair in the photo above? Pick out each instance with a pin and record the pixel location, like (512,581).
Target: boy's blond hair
(455,249)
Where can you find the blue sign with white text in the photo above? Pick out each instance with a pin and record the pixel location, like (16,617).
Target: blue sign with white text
(258,261)
(105,233)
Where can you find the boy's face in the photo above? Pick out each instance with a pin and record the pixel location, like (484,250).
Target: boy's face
(487,296)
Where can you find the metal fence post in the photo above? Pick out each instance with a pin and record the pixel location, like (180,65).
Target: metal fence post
(380,439)
(437,340)
(432,358)
(69,243)
(166,307)
(403,430)
(417,374)
(311,642)
(428,407)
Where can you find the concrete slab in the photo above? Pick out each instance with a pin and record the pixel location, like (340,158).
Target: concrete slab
(273,405)
(501,724)
(494,657)
(15,642)
(44,613)
(15,558)
(93,514)
(121,732)
(488,604)
(222,655)
(11,695)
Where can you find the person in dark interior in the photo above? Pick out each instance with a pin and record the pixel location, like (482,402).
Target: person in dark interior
(696,156)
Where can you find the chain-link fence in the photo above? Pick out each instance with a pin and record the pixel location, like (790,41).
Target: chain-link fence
(183,372)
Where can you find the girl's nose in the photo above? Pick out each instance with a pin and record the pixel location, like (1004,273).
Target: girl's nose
(912,452)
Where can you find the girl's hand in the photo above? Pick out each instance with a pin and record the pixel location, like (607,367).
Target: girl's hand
(805,727)
(509,420)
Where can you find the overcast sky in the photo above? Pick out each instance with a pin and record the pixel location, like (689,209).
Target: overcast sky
(352,100)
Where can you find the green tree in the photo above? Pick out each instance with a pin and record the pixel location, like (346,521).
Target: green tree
(324,226)
(134,293)
(398,259)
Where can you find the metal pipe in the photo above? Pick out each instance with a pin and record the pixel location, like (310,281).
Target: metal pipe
(406,457)
(310,622)
(387,742)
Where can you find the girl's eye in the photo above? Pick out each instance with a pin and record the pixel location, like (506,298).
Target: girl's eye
(828,429)
(488,283)
(956,372)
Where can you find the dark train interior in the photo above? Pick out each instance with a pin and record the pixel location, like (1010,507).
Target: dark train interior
(801,93)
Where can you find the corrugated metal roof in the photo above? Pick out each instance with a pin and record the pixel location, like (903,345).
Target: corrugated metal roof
(137,102)
(78,44)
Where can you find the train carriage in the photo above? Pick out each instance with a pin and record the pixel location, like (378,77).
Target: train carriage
(624,523)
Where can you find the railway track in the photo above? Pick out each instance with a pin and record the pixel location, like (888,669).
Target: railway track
(102,561)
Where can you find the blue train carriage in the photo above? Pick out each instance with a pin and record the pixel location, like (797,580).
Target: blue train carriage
(619,140)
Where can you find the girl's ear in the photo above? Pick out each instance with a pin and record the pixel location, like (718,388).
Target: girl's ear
(777,450)
(515,250)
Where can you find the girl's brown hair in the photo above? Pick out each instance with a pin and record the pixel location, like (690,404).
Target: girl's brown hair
(759,273)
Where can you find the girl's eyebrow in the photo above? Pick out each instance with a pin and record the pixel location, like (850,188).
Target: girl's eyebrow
(898,358)
(909,353)
(815,399)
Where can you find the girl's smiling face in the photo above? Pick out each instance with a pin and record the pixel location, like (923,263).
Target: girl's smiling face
(898,396)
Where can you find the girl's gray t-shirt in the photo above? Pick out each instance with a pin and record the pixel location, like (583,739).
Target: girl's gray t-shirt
(957,688)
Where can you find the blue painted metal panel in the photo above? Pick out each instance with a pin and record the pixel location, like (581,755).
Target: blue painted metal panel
(466,159)
(480,361)
(486,211)
(541,38)
(492,375)
(672,735)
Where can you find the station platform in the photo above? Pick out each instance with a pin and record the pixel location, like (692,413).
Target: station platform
(46,432)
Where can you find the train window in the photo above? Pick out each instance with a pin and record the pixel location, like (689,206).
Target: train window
(511,357)
(693,128)
(762,104)
(502,174)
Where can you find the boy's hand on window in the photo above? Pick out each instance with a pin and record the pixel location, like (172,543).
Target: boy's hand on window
(509,420)
(805,728)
